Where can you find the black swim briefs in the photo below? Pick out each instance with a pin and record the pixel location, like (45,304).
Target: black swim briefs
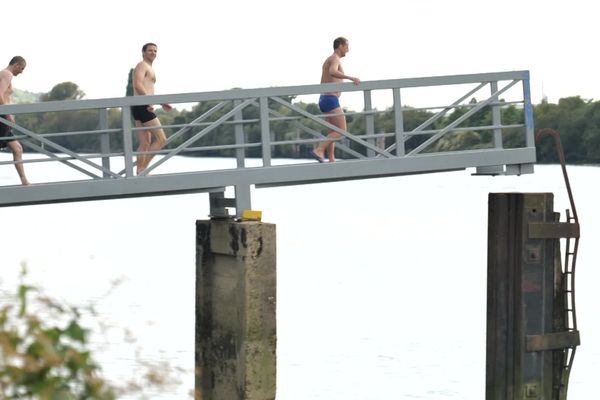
(5,132)
(141,113)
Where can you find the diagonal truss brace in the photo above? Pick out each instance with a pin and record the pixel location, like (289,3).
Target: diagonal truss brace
(333,127)
(437,116)
(462,118)
(198,135)
(313,132)
(58,147)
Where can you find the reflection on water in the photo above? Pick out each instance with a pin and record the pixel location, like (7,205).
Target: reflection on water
(381,283)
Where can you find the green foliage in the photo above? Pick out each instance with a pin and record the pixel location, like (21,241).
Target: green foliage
(45,352)
(576,121)
(63,91)
(129,87)
(24,96)
(42,359)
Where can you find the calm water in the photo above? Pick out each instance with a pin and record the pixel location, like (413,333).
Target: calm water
(381,283)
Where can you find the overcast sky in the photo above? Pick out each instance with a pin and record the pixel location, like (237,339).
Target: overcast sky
(218,45)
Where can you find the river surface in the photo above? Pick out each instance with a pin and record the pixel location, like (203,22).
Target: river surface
(381,283)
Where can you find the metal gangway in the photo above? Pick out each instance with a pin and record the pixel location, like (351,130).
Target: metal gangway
(108,173)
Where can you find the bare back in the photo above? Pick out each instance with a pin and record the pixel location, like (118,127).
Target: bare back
(332,63)
(6,89)
(143,79)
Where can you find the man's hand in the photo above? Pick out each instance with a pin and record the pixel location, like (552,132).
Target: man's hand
(167,107)
(355,80)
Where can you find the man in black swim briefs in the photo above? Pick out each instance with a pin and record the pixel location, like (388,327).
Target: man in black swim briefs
(15,67)
(141,113)
(144,116)
(5,133)
(332,72)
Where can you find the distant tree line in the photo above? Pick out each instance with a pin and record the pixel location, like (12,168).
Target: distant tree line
(576,119)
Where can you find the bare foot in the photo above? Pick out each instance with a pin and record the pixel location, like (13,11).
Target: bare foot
(318,155)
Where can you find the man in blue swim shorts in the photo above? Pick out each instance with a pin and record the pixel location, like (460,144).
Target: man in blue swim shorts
(143,85)
(329,102)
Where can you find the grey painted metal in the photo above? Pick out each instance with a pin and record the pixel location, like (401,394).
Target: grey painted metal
(255,93)
(497,138)
(242,198)
(333,127)
(421,128)
(460,119)
(369,121)
(313,133)
(360,157)
(528,108)
(496,117)
(104,141)
(127,141)
(240,153)
(265,131)
(399,124)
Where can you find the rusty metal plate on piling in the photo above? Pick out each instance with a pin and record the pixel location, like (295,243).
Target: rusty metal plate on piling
(553,230)
(553,341)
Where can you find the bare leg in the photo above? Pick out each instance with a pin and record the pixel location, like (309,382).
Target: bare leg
(17,151)
(329,146)
(144,144)
(156,139)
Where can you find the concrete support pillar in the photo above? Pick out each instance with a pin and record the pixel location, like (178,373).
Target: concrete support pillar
(235,310)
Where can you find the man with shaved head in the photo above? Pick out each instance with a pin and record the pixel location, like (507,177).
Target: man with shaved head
(15,67)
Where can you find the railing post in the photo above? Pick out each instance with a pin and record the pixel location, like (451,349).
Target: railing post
(104,140)
(399,123)
(265,131)
(240,153)
(127,141)
(242,199)
(496,121)
(496,117)
(369,122)
(529,135)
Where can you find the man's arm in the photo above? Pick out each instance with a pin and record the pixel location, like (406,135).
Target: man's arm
(336,71)
(139,73)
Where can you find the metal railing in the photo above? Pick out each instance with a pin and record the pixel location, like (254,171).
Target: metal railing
(252,120)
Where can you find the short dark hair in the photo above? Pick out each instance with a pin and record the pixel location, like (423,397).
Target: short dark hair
(339,41)
(146,46)
(17,60)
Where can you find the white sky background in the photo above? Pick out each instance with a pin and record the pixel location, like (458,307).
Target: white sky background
(220,44)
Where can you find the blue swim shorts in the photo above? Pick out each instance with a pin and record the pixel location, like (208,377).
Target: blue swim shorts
(328,102)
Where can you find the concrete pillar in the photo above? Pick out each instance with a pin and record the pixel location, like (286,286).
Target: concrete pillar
(235,310)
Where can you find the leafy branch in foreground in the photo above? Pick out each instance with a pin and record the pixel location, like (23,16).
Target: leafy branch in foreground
(45,352)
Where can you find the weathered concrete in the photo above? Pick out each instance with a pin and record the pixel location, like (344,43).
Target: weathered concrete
(235,310)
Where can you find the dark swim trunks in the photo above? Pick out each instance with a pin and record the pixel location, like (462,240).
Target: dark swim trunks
(5,132)
(328,102)
(141,113)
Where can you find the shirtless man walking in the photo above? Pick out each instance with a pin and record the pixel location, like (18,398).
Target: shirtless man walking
(15,67)
(143,85)
(329,102)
